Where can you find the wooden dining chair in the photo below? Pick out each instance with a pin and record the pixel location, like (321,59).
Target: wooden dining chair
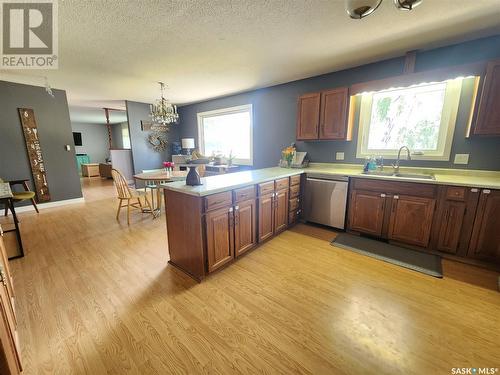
(20,196)
(130,196)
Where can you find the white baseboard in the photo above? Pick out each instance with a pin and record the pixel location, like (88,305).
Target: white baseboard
(43,206)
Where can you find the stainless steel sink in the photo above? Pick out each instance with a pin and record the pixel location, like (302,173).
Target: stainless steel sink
(419,176)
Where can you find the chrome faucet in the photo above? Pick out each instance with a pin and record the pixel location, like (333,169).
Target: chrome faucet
(396,165)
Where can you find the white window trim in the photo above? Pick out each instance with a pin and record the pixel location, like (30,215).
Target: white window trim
(449,117)
(224,111)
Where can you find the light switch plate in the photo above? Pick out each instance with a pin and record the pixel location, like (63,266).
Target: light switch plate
(461,159)
(339,156)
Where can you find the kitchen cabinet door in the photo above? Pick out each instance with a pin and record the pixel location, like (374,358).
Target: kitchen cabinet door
(411,219)
(450,218)
(366,212)
(266,216)
(245,231)
(220,237)
(485,241)
(281,211)
(333,119)
(488,118)
(308,116)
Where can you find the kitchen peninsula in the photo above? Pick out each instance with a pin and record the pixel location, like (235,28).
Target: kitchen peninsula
(211,225)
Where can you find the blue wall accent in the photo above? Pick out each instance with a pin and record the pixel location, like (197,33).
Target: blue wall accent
(275,109)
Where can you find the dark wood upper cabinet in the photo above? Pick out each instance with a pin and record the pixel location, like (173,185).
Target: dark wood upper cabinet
(280,211)
(488,117)
(323,115)
(220,237)
(485,241)
(366,212)
(308,116)
(333,119)
(411,219)
(245,222)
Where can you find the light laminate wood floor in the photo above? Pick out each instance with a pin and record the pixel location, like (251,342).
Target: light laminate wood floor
(97,297)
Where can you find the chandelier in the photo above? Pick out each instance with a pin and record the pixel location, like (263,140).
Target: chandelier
(163,113)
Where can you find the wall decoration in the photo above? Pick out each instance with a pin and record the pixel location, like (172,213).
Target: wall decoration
(157,141)
(35,157)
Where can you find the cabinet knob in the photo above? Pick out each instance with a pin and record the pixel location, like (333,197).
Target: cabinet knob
(382,195)
(474,190)
(230,209)
(396,197)
(486,191)
(236,207)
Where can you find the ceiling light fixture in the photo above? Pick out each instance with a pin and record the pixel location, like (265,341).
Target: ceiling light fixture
(407,4)
(359,9)
(163,113)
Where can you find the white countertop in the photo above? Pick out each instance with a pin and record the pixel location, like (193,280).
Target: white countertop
(220,183)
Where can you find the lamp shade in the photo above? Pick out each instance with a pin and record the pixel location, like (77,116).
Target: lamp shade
(187,142)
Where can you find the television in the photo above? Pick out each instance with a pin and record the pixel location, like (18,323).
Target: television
(77,138)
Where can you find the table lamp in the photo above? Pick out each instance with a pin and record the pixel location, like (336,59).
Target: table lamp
(188,144)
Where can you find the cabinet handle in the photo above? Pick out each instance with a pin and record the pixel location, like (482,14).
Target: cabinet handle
(236,208)
(396,197)
(486,191)
(230,209)
(474,190)
(382,195)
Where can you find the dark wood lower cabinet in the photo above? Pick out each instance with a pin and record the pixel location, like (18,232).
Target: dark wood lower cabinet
(245,226)
(220,237)
(485,241)
(266,216)
(280,211)
(366,212)
(411,219)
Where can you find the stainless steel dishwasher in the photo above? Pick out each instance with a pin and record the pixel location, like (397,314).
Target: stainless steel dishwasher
(326,199)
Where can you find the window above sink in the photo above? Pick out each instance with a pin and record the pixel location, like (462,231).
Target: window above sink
(422,116)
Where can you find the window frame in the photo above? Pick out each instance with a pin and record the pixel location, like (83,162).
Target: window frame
(446,131)
(225,111)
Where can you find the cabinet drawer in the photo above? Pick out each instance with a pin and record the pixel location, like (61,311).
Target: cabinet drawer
(395,187)
(294,204)
(219,200)
(294,191)
(244,194)
(455,193)
(282,183)
(295,180)
(266,188)
(293,216)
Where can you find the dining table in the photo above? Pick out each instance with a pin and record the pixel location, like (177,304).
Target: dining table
(153,182)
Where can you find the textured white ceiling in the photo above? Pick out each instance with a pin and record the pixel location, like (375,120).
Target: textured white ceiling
(93,115)
(112,50)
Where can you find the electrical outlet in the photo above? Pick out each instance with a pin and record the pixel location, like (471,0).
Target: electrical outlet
(339,156)
(461,159)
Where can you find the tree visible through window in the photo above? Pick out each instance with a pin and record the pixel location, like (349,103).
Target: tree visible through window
(421,117)
(226,131)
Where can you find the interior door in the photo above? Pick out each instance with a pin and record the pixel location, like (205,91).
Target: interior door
(333,120)
(366,212)
(308,116)
(245,231)
(220,237)
(266,216)
(485,241)
(411,219)
(281,211)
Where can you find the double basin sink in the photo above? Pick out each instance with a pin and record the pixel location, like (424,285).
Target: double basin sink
(419,176)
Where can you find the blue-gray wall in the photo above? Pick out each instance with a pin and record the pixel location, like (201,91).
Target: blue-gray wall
(94,141)
(142,154)
(275,109)
(54,126)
